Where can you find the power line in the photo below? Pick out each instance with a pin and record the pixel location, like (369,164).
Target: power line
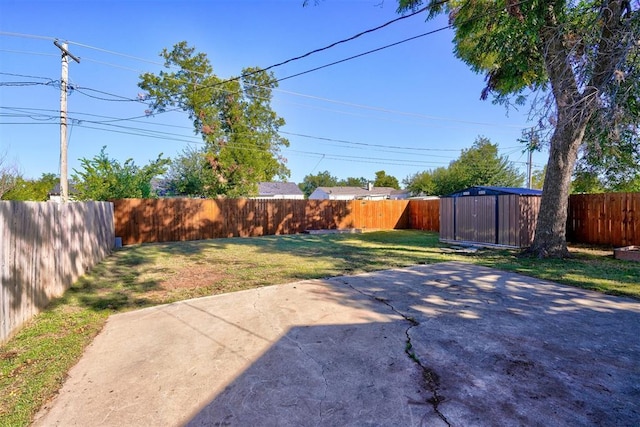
(26,75)
(385,110)
(20,84)
(366,144)
(120,98)
(123,98)
(26,36)
(23,52)
(360,159)
(113,65)
(336,157)
(348,39)
(360,145)
(137,131)
(363,54)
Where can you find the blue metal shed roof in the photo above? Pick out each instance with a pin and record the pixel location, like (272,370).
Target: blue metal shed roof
(482,190)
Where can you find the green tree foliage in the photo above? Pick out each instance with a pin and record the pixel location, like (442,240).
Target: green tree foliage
(479,165)
(537,178)
(233,116)
(353,182)
(420,184)
(482,165)
(583,54)
(35,190)
(322,179)
(612,167)
(384,180)
(102,178)
(189,175)
(585,182)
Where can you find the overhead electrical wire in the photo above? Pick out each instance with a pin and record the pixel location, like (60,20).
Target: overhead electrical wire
(373,147)
(23,52)
(25,75)
(347,39)
(366,144)
(181,138)
(119,98)
(386,110)
(122,98)
(26,36)
(428,33)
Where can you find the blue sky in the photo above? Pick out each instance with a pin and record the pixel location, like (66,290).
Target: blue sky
(404,109)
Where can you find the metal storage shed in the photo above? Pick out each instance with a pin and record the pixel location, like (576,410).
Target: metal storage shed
(500,216)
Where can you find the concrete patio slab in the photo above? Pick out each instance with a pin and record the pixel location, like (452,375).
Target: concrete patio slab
(435,345)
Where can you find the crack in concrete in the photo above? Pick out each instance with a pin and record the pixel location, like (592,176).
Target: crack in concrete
(430,378)
(302,350)
(322,371)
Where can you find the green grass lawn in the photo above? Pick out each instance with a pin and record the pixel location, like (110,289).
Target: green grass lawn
(34,363)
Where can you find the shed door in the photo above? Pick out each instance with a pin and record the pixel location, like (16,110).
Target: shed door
(476,219)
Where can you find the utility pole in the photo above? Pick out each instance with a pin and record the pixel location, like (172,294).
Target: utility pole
(532,146)
(64,180)
(530,169)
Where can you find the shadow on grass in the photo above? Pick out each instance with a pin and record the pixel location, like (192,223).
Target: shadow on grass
(134,277)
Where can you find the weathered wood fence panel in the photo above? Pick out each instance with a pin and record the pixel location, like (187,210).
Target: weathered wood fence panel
(529,208)
(604,219)
(166,220)
(44,248)
(424,214)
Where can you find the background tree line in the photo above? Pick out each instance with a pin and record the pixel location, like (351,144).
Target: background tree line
(189,175)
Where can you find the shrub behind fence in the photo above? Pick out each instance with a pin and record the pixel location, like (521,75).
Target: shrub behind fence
(44,248)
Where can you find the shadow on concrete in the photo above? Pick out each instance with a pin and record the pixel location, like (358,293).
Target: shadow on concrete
(325,375)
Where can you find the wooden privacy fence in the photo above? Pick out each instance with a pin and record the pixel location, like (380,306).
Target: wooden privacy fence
(167,220)
(44,248)
(604,219)
(607,219)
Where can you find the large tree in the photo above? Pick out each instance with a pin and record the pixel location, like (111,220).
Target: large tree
(584,53)
(233,116)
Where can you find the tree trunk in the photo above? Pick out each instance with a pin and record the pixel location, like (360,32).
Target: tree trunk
(550,237)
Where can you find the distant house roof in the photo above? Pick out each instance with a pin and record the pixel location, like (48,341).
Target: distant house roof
(358,192)
(400,194)
(482,190)
(271,189)
(57,190)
